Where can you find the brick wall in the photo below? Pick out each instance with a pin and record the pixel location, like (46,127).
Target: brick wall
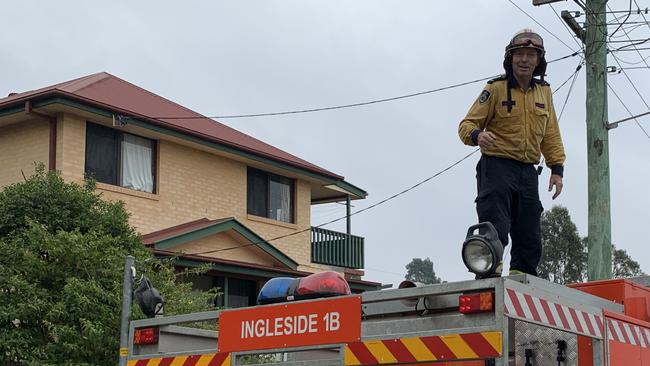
(71,147)
(191,184)
(22,144)
(228,239)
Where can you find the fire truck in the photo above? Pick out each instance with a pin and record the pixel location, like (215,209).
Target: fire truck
(511,320)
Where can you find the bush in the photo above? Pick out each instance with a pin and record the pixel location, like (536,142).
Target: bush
(62,251)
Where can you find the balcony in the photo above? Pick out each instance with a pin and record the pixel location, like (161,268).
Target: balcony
(336,249)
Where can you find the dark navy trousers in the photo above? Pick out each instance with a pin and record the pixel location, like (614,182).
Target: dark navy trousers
(508,197)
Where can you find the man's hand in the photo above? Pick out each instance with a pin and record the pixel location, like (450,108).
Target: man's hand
(486,139)
(556,181)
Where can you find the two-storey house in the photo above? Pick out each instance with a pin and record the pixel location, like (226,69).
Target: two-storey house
(195,188)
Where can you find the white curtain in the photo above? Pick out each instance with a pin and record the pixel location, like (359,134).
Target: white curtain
(280,201)
(137,155)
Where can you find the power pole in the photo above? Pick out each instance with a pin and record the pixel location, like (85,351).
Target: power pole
(594,37)
(599,262)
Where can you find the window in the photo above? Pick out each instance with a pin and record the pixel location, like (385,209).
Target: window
(233,292)
(120,159)
(241,292)
(270,195)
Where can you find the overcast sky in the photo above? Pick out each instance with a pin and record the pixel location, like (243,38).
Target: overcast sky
(233,57)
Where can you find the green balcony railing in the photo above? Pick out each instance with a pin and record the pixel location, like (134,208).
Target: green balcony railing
(336,249)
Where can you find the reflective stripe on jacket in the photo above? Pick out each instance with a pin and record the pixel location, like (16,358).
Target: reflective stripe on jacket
(529,129)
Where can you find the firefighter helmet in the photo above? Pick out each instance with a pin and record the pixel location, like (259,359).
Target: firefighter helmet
(526,38)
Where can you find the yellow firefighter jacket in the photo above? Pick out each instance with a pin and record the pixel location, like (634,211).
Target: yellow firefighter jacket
(529,129)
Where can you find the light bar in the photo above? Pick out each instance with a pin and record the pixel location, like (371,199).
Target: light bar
(323,284)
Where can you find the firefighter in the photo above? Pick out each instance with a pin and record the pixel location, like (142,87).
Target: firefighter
(514,123)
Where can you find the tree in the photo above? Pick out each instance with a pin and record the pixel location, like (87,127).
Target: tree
(623,265)
(421,270)
(62,252)
(564,256)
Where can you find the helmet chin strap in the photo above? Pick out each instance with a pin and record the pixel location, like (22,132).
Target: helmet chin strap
(509,97)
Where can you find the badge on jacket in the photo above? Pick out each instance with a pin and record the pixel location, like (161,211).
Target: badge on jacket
(485,95)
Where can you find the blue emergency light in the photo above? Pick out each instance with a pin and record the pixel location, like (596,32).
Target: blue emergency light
(323,284)
(275,290)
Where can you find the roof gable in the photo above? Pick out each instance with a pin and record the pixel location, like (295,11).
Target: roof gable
(194,230)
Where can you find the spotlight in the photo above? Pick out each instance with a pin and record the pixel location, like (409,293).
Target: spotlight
(482,252)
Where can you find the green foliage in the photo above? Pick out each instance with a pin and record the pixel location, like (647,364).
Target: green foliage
(421,270)
(623,266)
(62,252)
(564,258)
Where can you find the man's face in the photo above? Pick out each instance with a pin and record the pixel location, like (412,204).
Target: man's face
(524,62)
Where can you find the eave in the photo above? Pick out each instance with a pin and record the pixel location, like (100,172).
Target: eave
(52,98)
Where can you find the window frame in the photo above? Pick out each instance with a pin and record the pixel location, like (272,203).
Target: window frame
(291,182)
(223,282)
(119,138)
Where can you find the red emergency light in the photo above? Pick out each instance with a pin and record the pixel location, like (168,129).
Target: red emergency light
(144,336)
(322,284)
(476,303)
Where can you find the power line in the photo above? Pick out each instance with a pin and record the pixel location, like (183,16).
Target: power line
(640,42)
(628,50)
(630,29)
(382,271)
(628,40)
(615,20)
(635,67)
(621,24)
(348,105)
(396,195)
(633,63)
(623,70)
(541,25)
(575,76)
(628,111)
(334,107)
(569,78)
(631,82)
(638,11)
(638,93)
(627,35)
(351,214)
(612,23)
(643,15)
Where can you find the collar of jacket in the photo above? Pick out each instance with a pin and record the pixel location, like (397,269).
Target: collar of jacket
(513,83)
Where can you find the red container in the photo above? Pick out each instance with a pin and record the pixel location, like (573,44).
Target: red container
(634,297)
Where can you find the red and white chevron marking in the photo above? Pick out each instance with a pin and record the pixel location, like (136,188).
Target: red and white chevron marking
(628,333)
(525,306)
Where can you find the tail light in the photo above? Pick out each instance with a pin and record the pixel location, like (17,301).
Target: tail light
(144,336)
(476,303)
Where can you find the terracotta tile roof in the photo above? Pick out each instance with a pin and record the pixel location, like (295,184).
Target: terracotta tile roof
(107,91)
